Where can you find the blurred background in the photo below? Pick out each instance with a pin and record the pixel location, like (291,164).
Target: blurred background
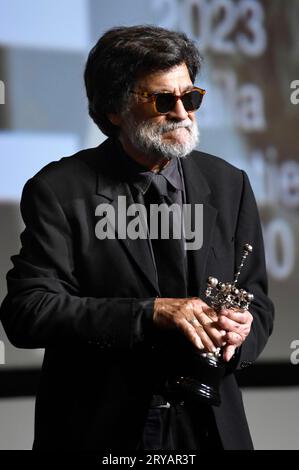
(250,117)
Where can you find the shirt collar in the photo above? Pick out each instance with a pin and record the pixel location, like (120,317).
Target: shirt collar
(141,177)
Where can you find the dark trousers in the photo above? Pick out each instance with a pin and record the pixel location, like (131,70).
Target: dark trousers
(181,428)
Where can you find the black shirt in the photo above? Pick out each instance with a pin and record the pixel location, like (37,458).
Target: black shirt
(140,178)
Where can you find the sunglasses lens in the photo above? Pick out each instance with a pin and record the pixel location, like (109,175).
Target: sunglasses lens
(192,100)
(165,102)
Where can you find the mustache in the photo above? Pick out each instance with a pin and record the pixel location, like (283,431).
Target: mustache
(173,125)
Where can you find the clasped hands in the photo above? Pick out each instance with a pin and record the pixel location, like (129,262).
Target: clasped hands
(202,326)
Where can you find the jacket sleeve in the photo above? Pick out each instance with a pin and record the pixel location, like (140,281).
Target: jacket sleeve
(253,278)
(43,306)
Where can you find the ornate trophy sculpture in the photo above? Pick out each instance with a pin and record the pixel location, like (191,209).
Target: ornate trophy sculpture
(201,372)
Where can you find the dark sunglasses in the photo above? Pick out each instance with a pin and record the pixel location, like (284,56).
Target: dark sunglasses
(165,101)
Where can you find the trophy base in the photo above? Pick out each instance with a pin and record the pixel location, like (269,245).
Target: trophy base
(186,389)
(200,384)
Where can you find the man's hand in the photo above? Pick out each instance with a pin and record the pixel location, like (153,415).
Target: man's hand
(194,318)
(237,325)
(202,326)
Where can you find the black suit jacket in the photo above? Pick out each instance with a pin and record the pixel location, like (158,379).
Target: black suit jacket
(89,302)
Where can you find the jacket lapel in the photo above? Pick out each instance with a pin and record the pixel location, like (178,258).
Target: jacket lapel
(198,192)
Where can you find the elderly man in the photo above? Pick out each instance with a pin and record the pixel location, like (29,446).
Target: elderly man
(103,302)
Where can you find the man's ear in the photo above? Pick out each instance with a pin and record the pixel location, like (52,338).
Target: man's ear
(115,118)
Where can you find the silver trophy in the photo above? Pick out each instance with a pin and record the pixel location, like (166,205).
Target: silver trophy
(202,372)
(227,294)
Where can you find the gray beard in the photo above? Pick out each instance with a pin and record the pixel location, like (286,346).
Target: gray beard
(146,137)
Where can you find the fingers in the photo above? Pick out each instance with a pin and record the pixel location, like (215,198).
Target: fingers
(196,327)
(210,312)
(217,336)
(206,340)
(237,324)
(237,316)
(234,339)
(193,317)
(211,330)
(230,325)
(195,333)
(191,334)
(208,321)
(207,318)
(234,321)
(228,352)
